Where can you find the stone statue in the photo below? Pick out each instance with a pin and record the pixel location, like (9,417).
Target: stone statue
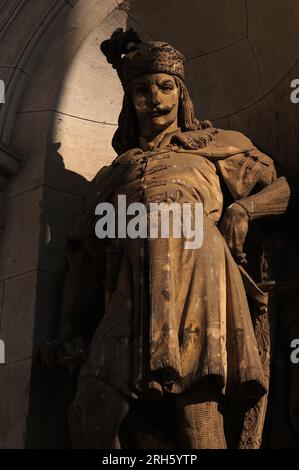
(173,360)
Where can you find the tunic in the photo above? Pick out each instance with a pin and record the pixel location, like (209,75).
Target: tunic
(174,315)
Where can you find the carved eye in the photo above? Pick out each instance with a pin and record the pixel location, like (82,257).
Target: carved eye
(166,87)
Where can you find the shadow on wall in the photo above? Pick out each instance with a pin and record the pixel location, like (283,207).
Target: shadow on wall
(52,389)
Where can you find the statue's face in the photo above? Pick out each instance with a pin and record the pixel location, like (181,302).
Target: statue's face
(156,101)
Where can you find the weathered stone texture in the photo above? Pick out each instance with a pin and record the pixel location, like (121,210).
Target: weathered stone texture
(14,398)
(20,239)
(18,316)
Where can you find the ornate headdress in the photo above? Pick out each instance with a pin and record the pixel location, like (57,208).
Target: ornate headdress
(133,58)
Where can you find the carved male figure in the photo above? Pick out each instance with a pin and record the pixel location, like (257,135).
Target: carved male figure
(170,327)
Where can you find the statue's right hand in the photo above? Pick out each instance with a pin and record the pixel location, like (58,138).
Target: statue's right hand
(66,350)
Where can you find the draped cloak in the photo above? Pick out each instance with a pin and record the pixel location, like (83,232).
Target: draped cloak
(173,315)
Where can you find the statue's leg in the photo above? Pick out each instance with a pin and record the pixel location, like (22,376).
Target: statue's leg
(96,415)
(200,418)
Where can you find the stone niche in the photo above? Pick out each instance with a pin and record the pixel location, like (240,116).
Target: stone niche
(61,110)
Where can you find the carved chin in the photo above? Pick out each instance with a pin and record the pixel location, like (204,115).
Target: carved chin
(160,120)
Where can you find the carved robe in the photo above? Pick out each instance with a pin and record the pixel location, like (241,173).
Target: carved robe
(171,315)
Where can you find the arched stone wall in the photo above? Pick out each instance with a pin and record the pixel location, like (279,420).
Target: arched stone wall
(61,111)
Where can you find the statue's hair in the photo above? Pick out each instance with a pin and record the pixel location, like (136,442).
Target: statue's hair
(127,134)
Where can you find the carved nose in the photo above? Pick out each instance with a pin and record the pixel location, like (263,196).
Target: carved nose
(155,99)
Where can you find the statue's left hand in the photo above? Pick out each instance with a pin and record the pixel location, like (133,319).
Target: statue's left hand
(234,228)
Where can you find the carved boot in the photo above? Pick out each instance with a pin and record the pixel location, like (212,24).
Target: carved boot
(96,415)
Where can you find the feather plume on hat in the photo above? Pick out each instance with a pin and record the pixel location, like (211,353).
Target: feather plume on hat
(133,58)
